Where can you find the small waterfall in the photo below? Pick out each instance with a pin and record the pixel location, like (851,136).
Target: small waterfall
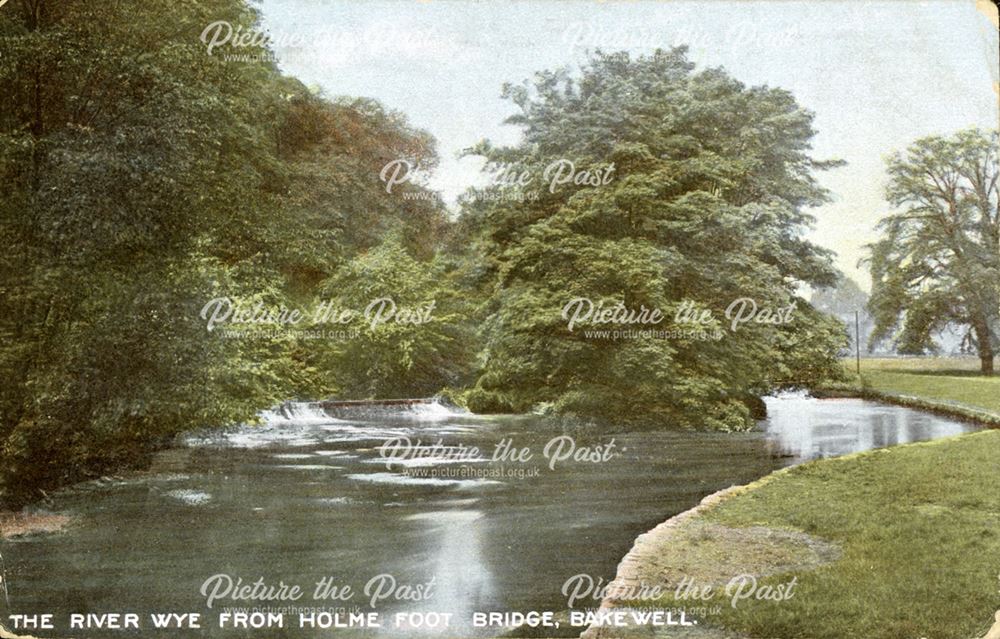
(296,423)
(296,413)
(435,410)
(426,409)
(293,413)
(789,395)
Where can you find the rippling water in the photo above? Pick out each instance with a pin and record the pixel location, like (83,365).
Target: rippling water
(308,496)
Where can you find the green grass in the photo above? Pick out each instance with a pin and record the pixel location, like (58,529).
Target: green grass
(919,527)
(943,379)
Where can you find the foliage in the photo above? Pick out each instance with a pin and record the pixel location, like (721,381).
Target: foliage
(411,336)
(139,178)
(142,176)
(707,203)
(938,260)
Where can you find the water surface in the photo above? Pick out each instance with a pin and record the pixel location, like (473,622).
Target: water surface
(308,496)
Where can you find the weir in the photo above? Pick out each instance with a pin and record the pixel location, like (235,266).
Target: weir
(350,403)
(300,413)
(426,408)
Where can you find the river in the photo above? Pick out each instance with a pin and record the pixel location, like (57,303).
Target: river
(308,497)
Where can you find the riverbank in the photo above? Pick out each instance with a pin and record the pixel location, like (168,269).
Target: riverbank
(889,543)
(7,634)
(23,523)
(949,386)
(957,411)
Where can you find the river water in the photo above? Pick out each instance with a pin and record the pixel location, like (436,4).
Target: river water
(308,497)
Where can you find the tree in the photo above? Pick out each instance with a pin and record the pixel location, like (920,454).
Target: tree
(130,159)
(411,331)
(140,177)
(705,204)
(938,260)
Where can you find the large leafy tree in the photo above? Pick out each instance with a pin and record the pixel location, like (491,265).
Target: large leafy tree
(130,162)
(707,203)
(332,153)
(938,260)
(139,178)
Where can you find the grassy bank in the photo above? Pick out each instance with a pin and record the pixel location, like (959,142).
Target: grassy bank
(947,380)
(919,531)
(916,527)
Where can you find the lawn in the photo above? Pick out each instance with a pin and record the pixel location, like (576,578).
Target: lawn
(919,529)
(917,526)
(943,379)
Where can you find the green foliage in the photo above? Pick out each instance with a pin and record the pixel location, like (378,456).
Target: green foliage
(938,260)
(809,350)
(141,177)
(412,336)
(707,204)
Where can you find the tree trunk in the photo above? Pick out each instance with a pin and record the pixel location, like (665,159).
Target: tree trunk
(986,364)
(985,341)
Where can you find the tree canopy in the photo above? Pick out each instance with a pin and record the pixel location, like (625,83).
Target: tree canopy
(141,177)
(144,179)
(707,203)
(937,262)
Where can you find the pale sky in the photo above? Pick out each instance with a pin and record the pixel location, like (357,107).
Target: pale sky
(878,75)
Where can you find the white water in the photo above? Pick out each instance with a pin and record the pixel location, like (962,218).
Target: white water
(297,424)
(434,411)
(190,497)
(296,413)
(302,413)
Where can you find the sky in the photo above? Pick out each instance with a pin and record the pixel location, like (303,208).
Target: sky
(877,75)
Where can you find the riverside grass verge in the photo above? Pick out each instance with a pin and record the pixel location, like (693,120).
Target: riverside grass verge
(917,526)
(945,385)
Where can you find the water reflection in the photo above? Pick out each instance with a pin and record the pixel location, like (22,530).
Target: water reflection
(806,428)
(463,579)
